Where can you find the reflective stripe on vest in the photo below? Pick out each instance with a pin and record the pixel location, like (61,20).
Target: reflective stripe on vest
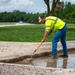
(53,20)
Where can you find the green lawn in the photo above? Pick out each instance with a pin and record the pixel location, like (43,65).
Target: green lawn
(31,33)
(71,25)
(7,23)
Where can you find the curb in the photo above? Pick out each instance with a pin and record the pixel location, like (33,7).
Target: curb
(34,56)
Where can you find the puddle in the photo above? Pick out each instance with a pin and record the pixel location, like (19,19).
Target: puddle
(55,63)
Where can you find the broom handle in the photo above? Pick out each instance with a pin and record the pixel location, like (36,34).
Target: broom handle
(39,46)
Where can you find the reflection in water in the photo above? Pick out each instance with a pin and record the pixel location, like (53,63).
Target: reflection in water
(40,64)
(56,63)
(71,61)
(65,62)
(52,63)
(59,63)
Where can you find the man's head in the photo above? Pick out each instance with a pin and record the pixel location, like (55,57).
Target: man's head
(41,19)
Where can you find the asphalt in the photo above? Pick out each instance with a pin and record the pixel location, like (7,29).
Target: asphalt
(13,51)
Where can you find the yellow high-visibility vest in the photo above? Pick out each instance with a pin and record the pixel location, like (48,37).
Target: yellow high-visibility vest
(54,22)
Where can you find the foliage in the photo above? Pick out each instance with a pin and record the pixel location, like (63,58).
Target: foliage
(67,12)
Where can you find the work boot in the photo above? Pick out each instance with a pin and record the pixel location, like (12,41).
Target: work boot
(64,56)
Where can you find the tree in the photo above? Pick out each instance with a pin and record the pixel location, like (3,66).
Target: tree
(54,3)
(68,8)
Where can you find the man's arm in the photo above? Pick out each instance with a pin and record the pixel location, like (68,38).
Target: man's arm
(46,34)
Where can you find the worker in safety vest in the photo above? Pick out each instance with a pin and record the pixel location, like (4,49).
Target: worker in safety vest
(55,23)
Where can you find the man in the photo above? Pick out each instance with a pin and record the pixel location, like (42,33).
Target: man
(55,23)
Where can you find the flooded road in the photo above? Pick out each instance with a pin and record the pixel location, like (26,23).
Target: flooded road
(46,61)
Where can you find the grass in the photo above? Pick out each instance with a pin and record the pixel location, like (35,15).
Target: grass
(7,23)
(30,33)
(71,25)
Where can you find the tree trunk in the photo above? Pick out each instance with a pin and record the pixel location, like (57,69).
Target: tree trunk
(48,9)
(53,6)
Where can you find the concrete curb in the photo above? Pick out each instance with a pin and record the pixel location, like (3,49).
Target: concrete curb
(14,69)
(23,51)
(29,56)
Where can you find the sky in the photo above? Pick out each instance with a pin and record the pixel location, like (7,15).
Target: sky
(33,6)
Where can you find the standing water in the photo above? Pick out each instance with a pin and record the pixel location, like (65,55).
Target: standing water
(46,61)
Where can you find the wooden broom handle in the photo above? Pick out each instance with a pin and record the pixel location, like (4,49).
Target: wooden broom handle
(39,46)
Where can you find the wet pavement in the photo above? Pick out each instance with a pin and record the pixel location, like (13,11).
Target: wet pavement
(46,61)
(11,51)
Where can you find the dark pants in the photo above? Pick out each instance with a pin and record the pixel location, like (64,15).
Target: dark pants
(60,34)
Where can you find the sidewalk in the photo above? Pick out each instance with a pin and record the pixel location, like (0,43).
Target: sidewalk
(16,24)
(15,50)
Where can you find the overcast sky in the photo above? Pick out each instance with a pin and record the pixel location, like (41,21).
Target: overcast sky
(25,5)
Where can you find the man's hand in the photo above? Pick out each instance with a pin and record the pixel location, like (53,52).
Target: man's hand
(42,40)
